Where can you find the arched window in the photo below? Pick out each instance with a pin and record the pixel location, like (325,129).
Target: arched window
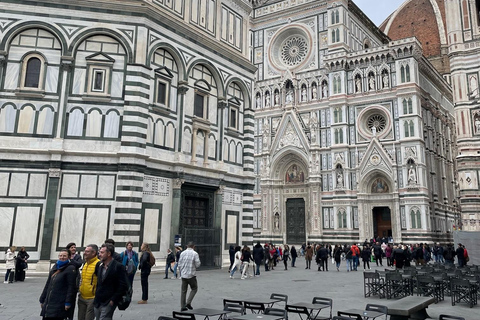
(409,129)
(33,70)
(32,74)
(405,106)
(407,73)
(337,85)
(337,35)
(410,107)
(338,136)
(415,219)
(342,219)
(402,74)
(337,115)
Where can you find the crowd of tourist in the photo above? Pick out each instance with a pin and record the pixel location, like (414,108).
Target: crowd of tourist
(354,255)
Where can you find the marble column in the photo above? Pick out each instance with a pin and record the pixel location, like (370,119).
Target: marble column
(49,220)
(181,90)
(221,108)
(205,150)
(194,146)
(217,222)
(3,64)
(176,202)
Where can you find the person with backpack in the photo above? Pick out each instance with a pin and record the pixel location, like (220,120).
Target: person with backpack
(88,284)
(145,269)
(355,256)
(130,262)
(112,283)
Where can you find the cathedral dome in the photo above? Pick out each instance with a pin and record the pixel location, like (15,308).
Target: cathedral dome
(423,19)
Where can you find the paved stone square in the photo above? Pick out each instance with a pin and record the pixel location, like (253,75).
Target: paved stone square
(20,300)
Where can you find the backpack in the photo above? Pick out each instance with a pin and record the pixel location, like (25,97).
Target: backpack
(126,299)
(130,268)
(151,260)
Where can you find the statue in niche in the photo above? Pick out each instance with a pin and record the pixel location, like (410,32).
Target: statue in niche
(277,98)
(289,97)
(412,175)
(473,87)
(358,84)
(324,90)
(267,100)
(259,102)
(276,222)
(371,82)
(314,92)
(374,131)
(386,83)
(339,179)
(477,122)
(304,94)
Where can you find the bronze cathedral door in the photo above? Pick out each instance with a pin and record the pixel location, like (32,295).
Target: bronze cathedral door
(295,221)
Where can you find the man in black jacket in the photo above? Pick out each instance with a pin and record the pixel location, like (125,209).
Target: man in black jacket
(112,283)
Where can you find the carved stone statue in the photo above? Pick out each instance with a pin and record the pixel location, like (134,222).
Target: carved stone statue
(358,84)
(374,131)
(276,222)
(371,82)
(386,83)
(304,95)
(412,176)
(324,91)
(314,93)
(289,98)
(259,102)
(277,98)
(340,180)
(267,100)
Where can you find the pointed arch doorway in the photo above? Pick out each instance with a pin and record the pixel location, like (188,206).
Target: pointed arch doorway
(295,220)
(382,222)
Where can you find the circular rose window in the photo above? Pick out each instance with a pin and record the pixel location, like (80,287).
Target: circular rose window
(290,47)
(378,121)
(374,121)
(294,50)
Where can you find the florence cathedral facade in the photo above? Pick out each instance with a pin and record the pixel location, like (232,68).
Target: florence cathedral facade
(229,122)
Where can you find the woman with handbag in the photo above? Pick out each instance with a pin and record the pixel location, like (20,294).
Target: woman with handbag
(238,261)
(21,264)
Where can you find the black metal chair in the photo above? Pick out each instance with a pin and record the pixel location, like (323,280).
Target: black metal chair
(254,307)
(165,318)
(377,308)
(280,297)
(349,315)
(183,316)
(464,291)
(341,318)
(300,311)
(323,301)
(235,310)
(447,317)
(395,286)
(277,312)
(427,286)
(373,284)
(230,301)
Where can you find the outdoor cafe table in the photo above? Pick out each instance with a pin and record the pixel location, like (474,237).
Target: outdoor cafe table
(255,316)
(312,307)
(207,312)
(365,314)
(267,302)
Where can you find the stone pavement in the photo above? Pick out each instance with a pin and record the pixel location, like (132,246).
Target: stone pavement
(20,300)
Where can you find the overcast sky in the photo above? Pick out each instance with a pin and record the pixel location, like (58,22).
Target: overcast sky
(378,10)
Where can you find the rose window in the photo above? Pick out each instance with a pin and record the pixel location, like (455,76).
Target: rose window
(378,121)
(294,50)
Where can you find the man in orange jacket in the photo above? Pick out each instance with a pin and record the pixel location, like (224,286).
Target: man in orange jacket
(355,255)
